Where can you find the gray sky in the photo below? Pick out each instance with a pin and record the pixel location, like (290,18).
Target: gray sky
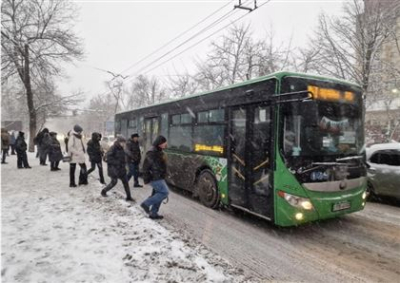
(118,34)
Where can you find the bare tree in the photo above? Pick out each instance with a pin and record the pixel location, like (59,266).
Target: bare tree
(116,88)
(145,91)
(349,45)
(238,56)
(36,38)
(182,86)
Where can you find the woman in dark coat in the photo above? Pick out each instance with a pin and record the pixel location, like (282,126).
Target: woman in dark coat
(116,162)
(20,148)
(55,154)
(95,153)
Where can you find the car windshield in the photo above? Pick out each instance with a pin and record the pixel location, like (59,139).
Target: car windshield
(322,128)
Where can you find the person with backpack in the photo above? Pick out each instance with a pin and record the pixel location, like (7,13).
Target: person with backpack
(20,148)
(95,153)
(42,139)
(77,150)
(116,169)
(154,173)
(55,153)
(13,138)
(5,144)
(133,157)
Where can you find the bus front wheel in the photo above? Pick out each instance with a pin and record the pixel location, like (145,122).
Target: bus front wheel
(207,189)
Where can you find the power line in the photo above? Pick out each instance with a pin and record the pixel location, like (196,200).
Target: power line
(189,39)
(175,38)
(203,39)
(227,15)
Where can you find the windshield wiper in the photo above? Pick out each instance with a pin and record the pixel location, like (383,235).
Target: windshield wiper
(350,158)
(326,163)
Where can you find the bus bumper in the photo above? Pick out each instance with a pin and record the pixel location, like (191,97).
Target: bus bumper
(325,205)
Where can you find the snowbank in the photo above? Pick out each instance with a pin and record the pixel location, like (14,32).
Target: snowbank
(53,233)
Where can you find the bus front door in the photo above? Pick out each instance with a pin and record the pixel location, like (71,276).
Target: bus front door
(250,159)
(151,131)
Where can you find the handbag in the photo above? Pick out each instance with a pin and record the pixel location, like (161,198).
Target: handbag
(67,158)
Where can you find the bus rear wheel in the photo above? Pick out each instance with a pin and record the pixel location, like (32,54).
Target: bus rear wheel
(207,189)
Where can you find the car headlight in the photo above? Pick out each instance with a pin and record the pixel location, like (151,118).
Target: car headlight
(296,201)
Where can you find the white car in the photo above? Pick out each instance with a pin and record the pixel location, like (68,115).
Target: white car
(384,170)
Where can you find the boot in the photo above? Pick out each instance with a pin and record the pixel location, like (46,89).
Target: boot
(72,183)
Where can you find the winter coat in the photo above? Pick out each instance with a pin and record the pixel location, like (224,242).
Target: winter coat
(132,152)
(12,138)
(40,136)
(46,142)
(55,153)
(116,162)
(20,144)
(76,149)
(5,139)
(94,149)
(155,165)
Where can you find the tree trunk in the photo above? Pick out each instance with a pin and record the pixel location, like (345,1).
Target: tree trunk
(29,97)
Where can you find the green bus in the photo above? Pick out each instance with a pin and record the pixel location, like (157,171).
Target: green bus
(287,147)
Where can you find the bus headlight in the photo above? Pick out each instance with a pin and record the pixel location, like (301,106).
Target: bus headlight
(299,216)
(296,201)
(364,195)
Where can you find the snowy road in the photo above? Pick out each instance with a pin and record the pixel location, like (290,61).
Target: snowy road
(51,233)
(363,247)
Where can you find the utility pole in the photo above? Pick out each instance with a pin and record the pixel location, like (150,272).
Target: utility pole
(246,8)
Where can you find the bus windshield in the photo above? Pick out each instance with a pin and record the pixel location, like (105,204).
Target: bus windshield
(322,129)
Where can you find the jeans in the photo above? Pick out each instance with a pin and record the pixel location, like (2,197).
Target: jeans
(114,182)
(133,171)
(161,192)
(100,167)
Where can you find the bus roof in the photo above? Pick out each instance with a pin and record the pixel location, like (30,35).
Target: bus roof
(277,75)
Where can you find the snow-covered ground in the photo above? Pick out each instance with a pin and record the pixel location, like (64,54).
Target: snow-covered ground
(53,233)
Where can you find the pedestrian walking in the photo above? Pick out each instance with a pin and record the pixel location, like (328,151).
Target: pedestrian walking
(154,172)
(55,153)
(66,139)
(20,148)
(133,157)
(96,153)
(116,162)
(43,141)
(5,144)
(76,150)
(13,138)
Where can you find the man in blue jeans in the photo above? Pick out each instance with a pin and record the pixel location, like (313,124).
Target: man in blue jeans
(154,172)
(133,157)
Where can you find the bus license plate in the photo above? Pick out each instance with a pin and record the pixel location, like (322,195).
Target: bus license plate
(341,206)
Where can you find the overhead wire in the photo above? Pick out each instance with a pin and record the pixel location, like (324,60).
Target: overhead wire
(191,46)
(177,37)
(216,22)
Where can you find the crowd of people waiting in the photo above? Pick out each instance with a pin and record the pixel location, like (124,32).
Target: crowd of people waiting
(121,156)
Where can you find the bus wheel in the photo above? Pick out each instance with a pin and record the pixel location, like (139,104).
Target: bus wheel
(207,189)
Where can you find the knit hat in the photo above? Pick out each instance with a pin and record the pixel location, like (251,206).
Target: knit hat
(78,129)
(159,140)
(134,136)
(121,139)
